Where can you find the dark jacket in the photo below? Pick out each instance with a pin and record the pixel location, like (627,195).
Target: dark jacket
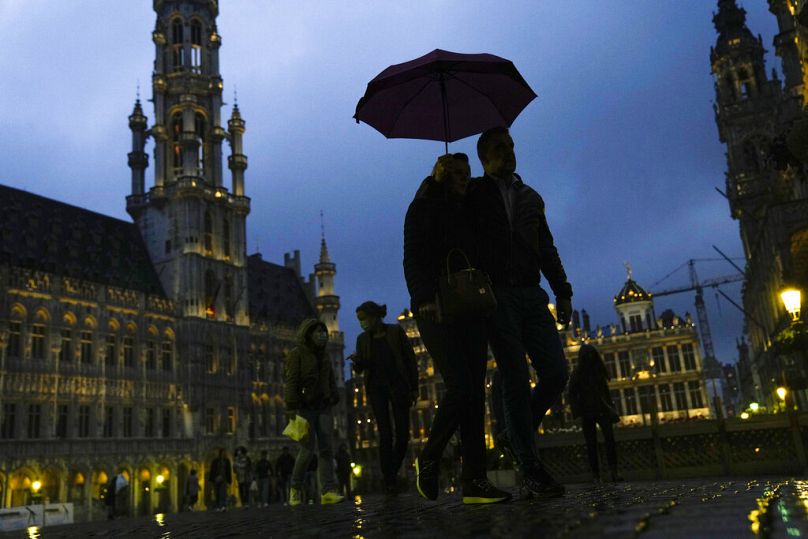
(263,469)
(435,224)
(220,467)
(588,394)
(309,378)
(284,465)
(406,366)
(515,254)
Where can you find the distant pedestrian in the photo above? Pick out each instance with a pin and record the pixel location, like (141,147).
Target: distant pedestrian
(244,475)
(191,490)
(589,398)
(263,472)
(311,392)
(283,472)
(221,476)
(344,470)
(384,353)
(109,497)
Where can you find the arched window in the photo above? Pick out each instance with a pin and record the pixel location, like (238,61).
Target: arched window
(177,37)
(226,238)
(208,236)
(228,297)
(196,46)
(746,84)
(199,132)
(211,289)
(176,146)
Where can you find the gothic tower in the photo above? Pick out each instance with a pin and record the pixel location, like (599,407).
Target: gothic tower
(192,224)
(327,304)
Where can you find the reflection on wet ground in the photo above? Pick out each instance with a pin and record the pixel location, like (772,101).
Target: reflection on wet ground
(774,507)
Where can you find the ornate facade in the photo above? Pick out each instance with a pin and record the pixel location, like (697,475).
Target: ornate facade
(761,120)
(145,347)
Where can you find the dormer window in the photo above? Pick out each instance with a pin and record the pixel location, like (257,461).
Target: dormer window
(196,46)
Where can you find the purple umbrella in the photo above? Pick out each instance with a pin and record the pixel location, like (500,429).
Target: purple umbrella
(444,96)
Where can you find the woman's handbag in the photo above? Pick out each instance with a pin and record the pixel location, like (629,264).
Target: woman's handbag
(611,410)
(464,294)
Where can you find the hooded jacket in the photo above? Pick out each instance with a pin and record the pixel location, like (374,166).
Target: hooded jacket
(309,382)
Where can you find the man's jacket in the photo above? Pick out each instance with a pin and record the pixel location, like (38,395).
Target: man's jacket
(515,253)
(404,355)
(309,378)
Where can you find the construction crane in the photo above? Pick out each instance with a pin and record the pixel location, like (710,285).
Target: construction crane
(701,310)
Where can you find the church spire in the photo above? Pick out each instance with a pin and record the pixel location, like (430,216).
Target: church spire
(324,258)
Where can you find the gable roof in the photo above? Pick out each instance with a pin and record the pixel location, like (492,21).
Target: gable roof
(276,294)
(47,235)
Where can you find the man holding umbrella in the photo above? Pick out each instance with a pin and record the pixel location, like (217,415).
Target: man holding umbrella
(515,248)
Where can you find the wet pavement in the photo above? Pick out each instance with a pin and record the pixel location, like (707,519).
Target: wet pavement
(774,507)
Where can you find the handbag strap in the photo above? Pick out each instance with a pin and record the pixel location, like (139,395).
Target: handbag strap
(455,250)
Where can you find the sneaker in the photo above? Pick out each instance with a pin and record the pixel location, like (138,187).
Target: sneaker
(294,497)
(426,478)
(330,498)
(503,443)
(482,491)
(537,481)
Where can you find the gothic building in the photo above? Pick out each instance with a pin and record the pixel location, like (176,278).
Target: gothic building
(145,347)
(761,121)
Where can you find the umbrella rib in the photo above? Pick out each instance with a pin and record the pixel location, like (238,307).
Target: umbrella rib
(488,97)
(405,105)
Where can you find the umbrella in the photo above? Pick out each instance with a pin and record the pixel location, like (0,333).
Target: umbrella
(444,96)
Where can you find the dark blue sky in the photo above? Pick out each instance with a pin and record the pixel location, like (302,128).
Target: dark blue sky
(621,142)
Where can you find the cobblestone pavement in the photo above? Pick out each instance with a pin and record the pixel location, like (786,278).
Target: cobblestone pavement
(775,507)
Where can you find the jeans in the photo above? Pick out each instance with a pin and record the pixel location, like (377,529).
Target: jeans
(283,488)
(383,400)
(321,423)
(263,490)
(523,324)
(591,437)
(221,495)
(460,353)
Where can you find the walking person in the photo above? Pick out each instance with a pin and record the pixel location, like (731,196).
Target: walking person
(221,476)
(385,355)
(438,226)
(515,248)
(311,391)
(191,490)
(263,472)
(589,398)
(344,470)
(244,475)
(283,471)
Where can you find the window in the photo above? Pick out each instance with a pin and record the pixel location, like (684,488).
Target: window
(127,422)
(149,430)
(86,347)
(61,421)
(66,353)
(665,397)
(618,403)
(231,420)
(674,361)
(84,421)
(635,322)
(210,421)
(167,357)
(111,351)
(151,355)
(225,360)
(228,297)
(177,37)
(176,147)
(680,395)
(8,426)
(210,359)
(128,352)
(199,132)
(689,356)
(611,365)
(695,394)
(631,401)
(208,237)
(109,421)
(647,399)
(38,341)
(625,364)
(226,237)
(196,46)
(14,339)
(658,355)
(166,423)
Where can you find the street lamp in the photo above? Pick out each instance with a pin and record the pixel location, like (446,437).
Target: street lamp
(792,299)
(781,393)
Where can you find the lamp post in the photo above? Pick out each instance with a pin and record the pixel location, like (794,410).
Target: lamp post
(790,336)
(792,300)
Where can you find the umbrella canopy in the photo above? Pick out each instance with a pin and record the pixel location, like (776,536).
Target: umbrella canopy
(444,96)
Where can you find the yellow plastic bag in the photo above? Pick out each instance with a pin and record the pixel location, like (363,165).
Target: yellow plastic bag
(297,429)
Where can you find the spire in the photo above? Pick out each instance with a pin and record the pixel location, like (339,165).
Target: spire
(324,258)
(629,273)
(730,18)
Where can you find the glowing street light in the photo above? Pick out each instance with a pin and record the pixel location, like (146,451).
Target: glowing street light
(792,299)
(35,486)
(754,407)
(781,392)
(160,480)
(744,415)
(356,469)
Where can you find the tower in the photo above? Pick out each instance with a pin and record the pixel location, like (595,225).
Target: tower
(194,226)
(786,44)
(634,306)
(327,304)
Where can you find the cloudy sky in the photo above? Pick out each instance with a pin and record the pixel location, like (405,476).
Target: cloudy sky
(621,142)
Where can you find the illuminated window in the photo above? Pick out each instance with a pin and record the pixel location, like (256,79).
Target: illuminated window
(34,420)
(9,423)
(86,347)
(14,339)
(38,341)
(66,353)
(84,421)
(176,143)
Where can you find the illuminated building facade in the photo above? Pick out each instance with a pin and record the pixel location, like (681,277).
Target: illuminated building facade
(143,348)
(760,118)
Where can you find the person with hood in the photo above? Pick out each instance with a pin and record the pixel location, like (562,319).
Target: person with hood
(311,391)
(437,227)
(385,355)
(589,398)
